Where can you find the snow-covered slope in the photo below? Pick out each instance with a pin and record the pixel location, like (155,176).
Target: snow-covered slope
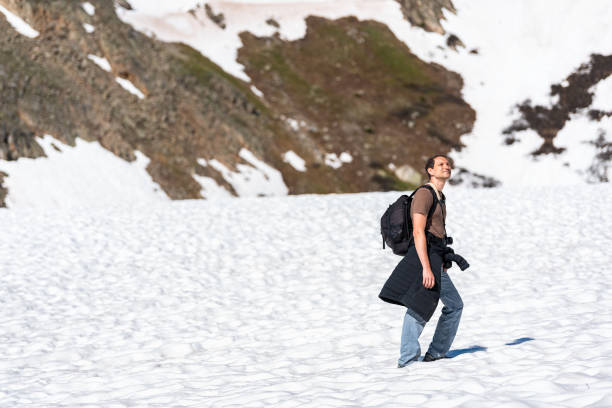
(86,175)
(514,51)
(273,303)
(522,48)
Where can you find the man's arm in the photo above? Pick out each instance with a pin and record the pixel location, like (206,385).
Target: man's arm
(420,242)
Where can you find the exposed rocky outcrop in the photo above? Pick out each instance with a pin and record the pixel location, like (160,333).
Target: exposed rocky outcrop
(272,22)
(453,42)
(599,170)
(16,142)
(426,13)
(3,190)
(572,96)
(192,108)
(369,96)
(124,3)
(217,18)
(350,86)
(464,177)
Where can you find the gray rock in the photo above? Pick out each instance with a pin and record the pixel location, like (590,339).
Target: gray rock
(426,13)
(3,190)
(408,174)
(218,19)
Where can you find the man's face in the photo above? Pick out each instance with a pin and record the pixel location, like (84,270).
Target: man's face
(441,169)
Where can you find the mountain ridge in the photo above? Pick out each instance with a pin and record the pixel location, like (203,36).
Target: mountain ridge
(67,82)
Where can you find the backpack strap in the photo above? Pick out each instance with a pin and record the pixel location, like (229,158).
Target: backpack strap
(435,202)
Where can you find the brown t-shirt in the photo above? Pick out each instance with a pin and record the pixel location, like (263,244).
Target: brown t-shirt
(421,203)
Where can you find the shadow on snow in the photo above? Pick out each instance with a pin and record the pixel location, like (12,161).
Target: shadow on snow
(474,349)
(458,352)
(519,341)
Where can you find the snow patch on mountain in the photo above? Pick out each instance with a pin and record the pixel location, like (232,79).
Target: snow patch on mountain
(83,175)
(335,161)
(294,160)
(19,24)
(124,83)
(602,99)
(523,47)
(578,137)
(210,188)
(176,23)
(101,62)
(254,179)
(130,87)
(256,91)
(89,8)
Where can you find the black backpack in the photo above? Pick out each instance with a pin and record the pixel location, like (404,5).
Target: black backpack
(396,224)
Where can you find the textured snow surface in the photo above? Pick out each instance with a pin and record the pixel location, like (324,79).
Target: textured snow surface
(273,303)
(82,176)
(523,47)
(19,24)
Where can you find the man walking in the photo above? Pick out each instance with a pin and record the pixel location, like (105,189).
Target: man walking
(420,279)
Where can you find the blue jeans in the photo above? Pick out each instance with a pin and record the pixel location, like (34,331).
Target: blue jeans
(410,350)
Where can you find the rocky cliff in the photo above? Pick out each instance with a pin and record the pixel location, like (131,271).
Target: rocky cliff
(347,87)
(572,98)
(191,108)
(369,96)
(426,13)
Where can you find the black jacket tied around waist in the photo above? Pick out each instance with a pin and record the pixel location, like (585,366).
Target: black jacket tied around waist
(405,285)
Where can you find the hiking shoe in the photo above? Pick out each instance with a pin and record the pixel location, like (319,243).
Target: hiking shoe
(430,357)
(415,359)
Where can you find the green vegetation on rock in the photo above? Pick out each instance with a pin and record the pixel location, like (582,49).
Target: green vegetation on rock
(360,89)
(192,62)
(350,85)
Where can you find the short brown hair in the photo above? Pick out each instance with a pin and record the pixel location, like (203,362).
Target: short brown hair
(432,161)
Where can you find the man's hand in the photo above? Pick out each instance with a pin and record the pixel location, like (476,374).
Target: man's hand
(428,278)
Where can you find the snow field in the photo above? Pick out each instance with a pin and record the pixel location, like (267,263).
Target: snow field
(273,302)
